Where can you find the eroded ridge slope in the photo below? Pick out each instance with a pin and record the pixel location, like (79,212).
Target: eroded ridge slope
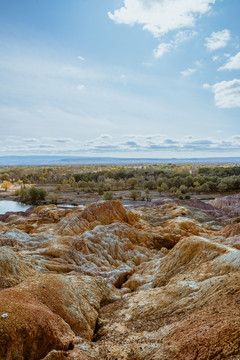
(102,282)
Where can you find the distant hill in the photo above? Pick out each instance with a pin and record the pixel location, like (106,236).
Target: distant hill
(71,160)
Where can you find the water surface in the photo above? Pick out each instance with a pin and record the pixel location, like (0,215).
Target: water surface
(7,205)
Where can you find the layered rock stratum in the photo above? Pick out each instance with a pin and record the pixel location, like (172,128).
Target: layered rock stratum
(100,282)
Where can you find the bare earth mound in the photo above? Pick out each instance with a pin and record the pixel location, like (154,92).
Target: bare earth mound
(102,282)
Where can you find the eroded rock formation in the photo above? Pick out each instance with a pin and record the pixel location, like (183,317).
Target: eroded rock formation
(102,282)
(229,204)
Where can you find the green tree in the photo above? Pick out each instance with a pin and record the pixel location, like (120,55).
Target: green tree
(132,182)
(189,181)
(173,190)
(36,194)
(5,176)
(32,195)
(205,188)
(121,184)
(183,189)
(72,181)
(163,187)
(22,193)
(150,184)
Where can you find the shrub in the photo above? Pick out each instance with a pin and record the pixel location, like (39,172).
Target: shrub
(108,195)
(133,194)
(100,191)
(32,195)
(37,194)
(54,199)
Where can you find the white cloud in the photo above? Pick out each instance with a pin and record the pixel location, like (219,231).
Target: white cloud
(184,35)
(160,16)
(233,63)
(198,63)
(206,86)
(188,72)
(215,58)
(162,49)
(226,93)
(80,87)
(218,40)
(105,136)
(179,38)
(126,144)
(81,58)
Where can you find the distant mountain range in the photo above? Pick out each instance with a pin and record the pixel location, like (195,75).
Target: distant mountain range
(71,160)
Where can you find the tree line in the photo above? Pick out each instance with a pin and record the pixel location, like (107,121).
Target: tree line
(180,180)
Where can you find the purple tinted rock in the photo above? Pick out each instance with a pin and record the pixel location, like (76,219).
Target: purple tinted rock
(26,213)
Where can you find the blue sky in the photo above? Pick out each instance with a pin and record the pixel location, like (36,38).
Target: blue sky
(133,78)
